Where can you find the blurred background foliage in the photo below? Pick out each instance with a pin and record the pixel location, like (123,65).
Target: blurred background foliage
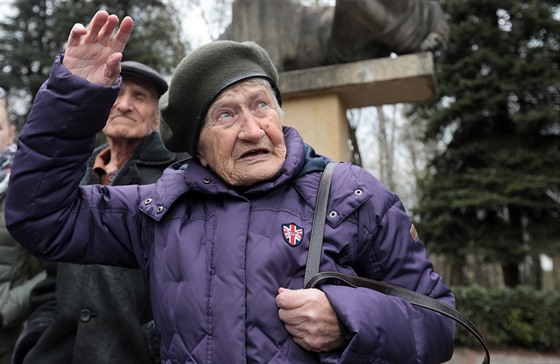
(36,31)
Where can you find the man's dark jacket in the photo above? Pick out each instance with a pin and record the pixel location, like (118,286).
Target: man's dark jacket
(97,314)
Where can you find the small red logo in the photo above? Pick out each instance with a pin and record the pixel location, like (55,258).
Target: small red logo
(293,234)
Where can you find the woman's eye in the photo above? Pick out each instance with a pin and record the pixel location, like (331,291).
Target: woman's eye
(261,104)
(224,115)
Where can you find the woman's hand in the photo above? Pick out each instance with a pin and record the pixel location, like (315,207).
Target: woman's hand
(94,53)
(309,317)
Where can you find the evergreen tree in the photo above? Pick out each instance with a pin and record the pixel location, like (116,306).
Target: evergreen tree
(494,186)
(31,38)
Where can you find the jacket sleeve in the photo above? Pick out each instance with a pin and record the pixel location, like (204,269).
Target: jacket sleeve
(17,307)
(382,328)
(46,210)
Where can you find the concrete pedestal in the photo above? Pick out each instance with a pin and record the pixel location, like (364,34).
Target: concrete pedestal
(315,100)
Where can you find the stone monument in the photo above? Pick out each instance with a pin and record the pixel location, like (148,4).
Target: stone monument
(332,58)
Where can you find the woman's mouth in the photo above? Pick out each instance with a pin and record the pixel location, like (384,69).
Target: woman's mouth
(254,153)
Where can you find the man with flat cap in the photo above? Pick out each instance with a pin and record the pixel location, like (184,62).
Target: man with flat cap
(95,313)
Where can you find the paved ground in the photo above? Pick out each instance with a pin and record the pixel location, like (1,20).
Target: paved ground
(467,356)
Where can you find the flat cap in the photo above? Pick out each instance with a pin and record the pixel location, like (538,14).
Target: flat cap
(199,78)
(146,73)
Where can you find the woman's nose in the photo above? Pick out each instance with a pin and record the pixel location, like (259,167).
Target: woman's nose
(250,127)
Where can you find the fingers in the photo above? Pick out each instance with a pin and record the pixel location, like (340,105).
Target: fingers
(94,52)
(101,29)
(123,34)
(98,21)
(281,299)
(113,68)
(309,317)
(105,33)
(295,306)
(290,299)
(78,30)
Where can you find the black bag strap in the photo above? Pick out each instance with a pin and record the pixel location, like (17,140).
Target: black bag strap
(313,278)
(319,220)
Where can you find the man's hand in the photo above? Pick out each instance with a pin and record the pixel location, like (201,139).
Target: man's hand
(309,317)
(93,52)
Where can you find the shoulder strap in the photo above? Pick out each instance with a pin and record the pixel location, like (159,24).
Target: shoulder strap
(313,278)
(316,240)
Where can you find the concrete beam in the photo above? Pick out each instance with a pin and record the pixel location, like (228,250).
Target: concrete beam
(404,79)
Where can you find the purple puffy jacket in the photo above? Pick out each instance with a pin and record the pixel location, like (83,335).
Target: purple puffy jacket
(214,257)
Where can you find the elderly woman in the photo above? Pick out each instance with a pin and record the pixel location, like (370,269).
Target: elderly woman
(225,281)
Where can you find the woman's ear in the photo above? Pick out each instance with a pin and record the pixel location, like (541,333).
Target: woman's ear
(201,159)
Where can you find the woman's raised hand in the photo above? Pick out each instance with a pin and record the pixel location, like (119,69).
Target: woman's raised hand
(94,53)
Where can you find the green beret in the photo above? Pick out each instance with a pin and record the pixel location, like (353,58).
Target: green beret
(200,77)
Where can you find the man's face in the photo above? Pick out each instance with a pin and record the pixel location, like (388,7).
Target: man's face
(242,138)
(7,131)
(134,114)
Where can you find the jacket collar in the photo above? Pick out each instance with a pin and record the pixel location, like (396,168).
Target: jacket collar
(150,151)
(190,175)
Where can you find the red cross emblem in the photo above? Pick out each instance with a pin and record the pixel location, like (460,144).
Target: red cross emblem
(293,234)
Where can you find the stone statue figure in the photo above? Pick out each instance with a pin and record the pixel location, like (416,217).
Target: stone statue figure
(298,36)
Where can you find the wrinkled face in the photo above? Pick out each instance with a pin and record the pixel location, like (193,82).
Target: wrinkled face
(134,114)
(7,131)
(241,139)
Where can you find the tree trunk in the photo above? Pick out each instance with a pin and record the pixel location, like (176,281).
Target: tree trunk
(356,156)
(457,271)
(511,274)
(386,149)
(556,272)
(537,272)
